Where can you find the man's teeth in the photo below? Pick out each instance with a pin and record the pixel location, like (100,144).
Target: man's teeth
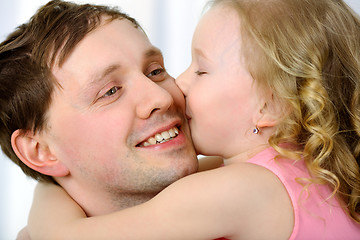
(162,137)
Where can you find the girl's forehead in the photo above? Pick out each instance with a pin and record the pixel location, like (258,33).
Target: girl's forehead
(218,20)
(218,28)
(219,14)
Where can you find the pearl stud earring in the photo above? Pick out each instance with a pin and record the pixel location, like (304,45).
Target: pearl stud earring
(256,130)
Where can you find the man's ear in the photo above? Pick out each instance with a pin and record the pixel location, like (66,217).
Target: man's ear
(36,155)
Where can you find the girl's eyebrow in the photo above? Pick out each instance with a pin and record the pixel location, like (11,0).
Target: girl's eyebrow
(200,53)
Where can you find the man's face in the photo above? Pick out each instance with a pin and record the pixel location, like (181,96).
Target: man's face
(115,97)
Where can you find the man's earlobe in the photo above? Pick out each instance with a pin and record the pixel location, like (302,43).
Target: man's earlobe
(36,155)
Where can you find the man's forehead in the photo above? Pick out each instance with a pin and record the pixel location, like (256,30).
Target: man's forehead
(68,46)
(105,42)
(101,55)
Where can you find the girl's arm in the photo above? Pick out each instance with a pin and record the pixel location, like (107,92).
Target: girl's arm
(52,208)
(23,234)
(207,205)
(50,196)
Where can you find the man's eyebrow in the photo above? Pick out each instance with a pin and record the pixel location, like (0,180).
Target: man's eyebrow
(97,78)
(152,52)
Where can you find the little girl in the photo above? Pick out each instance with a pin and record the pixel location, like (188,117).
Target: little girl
(274,89)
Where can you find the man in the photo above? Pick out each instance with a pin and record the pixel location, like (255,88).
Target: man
(86,103)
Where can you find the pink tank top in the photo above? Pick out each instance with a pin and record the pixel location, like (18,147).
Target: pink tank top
(316,217)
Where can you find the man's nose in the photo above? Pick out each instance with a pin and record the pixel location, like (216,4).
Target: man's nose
(152,98)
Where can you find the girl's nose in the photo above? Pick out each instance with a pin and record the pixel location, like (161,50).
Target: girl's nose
(183,82)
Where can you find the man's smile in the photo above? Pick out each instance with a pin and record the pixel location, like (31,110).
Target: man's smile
(161,137)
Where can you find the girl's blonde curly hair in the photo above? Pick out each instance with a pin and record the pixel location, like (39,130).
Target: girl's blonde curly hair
(307,52)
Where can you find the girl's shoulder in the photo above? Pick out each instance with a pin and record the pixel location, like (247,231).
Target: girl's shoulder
(249,196)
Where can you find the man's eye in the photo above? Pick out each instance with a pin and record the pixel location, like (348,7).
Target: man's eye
(156,72)
(199,73)
(111,91)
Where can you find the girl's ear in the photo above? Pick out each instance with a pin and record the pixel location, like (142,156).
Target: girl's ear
(36,155)
(268,114)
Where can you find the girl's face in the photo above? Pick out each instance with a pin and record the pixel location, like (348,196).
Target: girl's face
(221,97)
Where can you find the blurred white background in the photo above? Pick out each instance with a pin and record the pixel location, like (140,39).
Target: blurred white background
(169,25)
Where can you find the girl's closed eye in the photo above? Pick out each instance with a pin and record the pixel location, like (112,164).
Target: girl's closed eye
(200,73)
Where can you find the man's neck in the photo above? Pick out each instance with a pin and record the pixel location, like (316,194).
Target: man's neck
(95,202)
(129,200)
